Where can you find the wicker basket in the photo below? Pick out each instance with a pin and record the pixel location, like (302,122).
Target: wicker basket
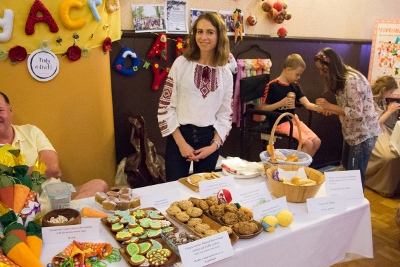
(295,193)
(304,158)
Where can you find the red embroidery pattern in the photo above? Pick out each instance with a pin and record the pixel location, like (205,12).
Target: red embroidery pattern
(163,127)
(165,98)
(205,79)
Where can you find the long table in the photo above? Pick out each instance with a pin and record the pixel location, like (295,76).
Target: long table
(313,239)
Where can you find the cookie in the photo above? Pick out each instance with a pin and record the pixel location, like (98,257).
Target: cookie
(155,244)
(182,216)
(139,214)
(132,249)
(133,239)
(137,260)
(194,212)
(155,215)
(145,222)
(212,201)
(155,224)
(172,210)
(144,247)
(194,221)
(185,204)
(116,227)
(202,227)
(112,219)
(202,204)
(167,229)
(225,228)
(122,236)
(129,220)
(157,257)
(122,213)
(137,231)
(152,233)
(165,223)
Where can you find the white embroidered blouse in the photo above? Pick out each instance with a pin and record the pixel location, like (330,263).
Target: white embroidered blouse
(196,94)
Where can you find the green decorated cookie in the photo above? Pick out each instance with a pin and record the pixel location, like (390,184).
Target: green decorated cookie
(167,252)
(112,219)
(157,257)
(155,244)
(122,236)
(133,249)
(144,247)
(139,214)
(137,231)
(133,239)
(155,215)
(137,260)
(155,224)
(129,220)
(122,213)
(167,229)
(165,223)
(145,222)
(144,236)
(116,227)
(152,233)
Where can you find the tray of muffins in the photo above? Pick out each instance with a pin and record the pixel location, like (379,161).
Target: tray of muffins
(240,220)
(120,199)
(132,226)
(152,252)
(193,219)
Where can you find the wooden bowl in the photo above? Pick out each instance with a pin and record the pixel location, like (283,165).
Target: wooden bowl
(295,193)
(67,213)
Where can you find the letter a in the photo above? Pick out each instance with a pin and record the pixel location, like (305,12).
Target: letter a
(33,19)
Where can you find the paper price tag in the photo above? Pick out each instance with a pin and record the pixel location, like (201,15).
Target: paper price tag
(68,233)
(160,200)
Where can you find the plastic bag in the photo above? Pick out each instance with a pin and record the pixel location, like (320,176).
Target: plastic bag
(121,179)
(143,167)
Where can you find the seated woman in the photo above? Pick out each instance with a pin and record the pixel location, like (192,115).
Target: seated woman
(383,170)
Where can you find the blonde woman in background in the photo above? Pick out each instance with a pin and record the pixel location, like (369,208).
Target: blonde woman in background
(383,170)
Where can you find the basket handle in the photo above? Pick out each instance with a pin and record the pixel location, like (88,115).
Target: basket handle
(271,140)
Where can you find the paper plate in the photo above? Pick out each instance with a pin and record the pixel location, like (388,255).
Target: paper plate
(240,176)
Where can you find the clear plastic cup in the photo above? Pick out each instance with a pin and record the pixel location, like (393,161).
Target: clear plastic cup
(59,195)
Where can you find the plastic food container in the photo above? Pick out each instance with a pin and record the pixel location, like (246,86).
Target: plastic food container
(59,195)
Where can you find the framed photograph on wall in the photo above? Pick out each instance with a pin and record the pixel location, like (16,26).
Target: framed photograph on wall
(177,12)
(385,51)
(227,16)
(148,18)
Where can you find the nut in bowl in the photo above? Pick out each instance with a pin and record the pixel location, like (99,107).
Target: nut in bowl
(61,217)
(295,193)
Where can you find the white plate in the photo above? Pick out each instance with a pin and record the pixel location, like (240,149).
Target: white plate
(240,176)
(201,174)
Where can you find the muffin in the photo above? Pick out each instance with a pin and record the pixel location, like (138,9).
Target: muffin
(113,193)
(123,205)
(109,205)
(99,197)
(125,191)
(125,197)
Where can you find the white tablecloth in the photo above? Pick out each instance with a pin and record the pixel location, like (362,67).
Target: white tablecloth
(313,239)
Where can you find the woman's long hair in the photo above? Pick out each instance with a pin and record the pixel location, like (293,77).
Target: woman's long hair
(383,84)
(221,57)
(337,71)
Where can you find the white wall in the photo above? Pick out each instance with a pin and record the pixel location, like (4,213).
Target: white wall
(342,19)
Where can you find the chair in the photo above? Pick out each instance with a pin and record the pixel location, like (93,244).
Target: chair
(252,88)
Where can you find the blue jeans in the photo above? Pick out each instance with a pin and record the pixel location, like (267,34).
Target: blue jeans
(176,166)
(357,157)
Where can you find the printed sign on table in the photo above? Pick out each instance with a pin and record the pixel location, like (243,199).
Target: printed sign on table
(347,183)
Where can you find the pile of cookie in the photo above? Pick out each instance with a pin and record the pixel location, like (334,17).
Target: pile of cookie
(133,226)
(122,199)
(195,179)
(148,253)
(189,213)
(176,239)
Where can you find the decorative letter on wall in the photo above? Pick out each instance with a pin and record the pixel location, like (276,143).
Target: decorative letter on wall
(32,19)
(92,4)
(64,15)
(6,23)
(119,62)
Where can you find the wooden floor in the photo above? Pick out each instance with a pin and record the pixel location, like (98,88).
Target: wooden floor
(385,233)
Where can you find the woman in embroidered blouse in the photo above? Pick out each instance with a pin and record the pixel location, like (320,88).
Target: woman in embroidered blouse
(195,108)
(383,167)
(355,108)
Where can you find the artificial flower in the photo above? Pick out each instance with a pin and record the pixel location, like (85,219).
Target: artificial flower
(86,52)
(107,44)
(3,55)
(45,45)
(74,52)
(17,53)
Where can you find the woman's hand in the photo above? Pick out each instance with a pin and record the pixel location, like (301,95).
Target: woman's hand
(322,103)
(203,152)
(186,150)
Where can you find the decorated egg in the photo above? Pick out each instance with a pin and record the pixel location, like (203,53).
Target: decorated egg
(285,218)
(266,6)
(282,32)
(252,20)
(278,5)
(273,13)
(269,223)
(224,196)
(288,15)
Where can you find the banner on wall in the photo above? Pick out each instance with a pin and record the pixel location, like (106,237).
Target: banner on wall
(385,51)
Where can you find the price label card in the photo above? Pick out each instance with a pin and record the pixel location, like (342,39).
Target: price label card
(320,204)
(211,187)
(347,183)
(79,232)
(160,200)
(252,195)
(270,208)
(206,251)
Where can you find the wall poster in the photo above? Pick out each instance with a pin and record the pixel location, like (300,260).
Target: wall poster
(385,51)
